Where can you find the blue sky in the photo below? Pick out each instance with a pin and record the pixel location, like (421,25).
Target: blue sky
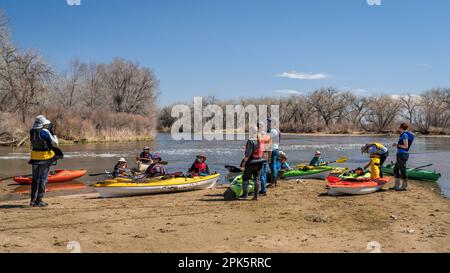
(249,48)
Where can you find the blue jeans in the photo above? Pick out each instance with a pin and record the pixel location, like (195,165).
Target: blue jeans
(264,177)
(273,163)
(39,182)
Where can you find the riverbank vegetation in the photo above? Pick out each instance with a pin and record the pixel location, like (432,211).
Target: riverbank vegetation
(87,102)
(333,111)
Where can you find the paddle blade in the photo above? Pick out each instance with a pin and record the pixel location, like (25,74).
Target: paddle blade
(342,160)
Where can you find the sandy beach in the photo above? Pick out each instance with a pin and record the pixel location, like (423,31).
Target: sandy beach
(294,217)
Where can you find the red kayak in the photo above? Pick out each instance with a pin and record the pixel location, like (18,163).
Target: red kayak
(337,186)
(54,177)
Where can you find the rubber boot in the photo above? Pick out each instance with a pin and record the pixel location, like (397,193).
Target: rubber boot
(397,184)
(40,203)
(244,190)
(404,186)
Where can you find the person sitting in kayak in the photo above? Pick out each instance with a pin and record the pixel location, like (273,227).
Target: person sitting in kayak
(378,155)
(145,156)
(282,164)
(199,167)
(155,169)
(317,160)
(121,168)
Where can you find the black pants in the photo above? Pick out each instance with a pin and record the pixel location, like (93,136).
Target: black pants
(383,158)
(39,182)
(400,166)
(252,171)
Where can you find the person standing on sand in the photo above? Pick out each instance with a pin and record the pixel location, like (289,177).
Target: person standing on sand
(275,136)
(42,157)
(404,144)
(266,139)
(252,163)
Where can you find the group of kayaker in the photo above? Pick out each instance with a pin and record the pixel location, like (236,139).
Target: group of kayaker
(379,153)
(155,165)
(262,159)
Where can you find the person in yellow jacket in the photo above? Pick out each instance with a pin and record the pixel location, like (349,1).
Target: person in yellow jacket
(378,155)
(42,156)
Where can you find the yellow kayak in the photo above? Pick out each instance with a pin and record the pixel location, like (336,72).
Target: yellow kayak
(122,187)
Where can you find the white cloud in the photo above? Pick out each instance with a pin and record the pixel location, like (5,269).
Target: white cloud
(303,76)
(288,92)
(423,64)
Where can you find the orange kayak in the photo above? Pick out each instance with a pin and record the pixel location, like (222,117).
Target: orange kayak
(54,187)
(54,177)
(336,186)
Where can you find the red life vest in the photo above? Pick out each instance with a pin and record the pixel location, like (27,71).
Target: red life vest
(200,167)
(259,152)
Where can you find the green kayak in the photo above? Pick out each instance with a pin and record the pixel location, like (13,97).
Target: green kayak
(321,172)
(236,188)
(423,175)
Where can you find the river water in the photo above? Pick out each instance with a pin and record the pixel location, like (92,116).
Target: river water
(180,154)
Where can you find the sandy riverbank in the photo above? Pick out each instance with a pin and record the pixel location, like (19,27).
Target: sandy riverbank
(295,217)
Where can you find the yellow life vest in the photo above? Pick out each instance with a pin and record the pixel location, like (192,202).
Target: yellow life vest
(378,145)
(42,155)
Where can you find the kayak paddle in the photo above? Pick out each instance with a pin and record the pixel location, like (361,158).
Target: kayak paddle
(11,177)
(233,169)
(106,172)
(340,160)
(421,167)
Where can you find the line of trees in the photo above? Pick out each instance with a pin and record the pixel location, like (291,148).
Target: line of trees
(329,110)
(93,101)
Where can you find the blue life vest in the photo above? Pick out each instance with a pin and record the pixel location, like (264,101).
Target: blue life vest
(410,137)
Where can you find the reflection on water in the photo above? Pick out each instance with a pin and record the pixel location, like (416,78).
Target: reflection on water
(98,157)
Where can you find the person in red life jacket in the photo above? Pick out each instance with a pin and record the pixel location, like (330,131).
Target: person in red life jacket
(252,163)
(404,144)
(199,167)
(155,169)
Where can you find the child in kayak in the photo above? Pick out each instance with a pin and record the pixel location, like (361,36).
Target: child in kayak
(121,168)
(155,169)
(317,160)
(199,167)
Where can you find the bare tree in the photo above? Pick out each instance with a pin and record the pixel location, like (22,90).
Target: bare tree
(4,29)
(23,76)
(382,112)
(328,103)
(71,90)
(133,89)
(358,110)
(434,110)
(94,94)
(409,104)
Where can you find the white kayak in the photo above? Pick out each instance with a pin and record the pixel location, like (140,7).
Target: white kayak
(126,187)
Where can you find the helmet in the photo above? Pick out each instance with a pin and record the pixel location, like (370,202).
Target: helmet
(146,148)
(122,159)
(156,156)
(318,153)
